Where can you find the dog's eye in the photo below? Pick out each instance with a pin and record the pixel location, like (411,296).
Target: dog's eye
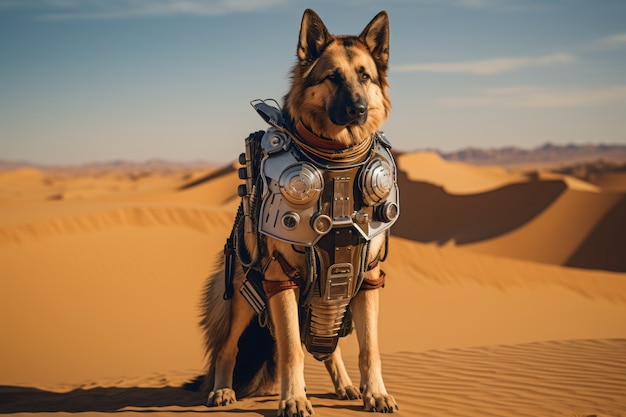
(333,77)
(363,75)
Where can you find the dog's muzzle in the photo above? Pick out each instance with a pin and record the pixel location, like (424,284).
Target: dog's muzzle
(349,112)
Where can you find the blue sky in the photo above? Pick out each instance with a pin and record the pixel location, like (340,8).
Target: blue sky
(98,80)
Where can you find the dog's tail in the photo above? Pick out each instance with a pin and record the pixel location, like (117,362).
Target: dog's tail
(255,368)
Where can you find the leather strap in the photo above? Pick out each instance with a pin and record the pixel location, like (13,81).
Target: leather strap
(274,287)
(374,263)
(374,284)
(295,279)
(289,270)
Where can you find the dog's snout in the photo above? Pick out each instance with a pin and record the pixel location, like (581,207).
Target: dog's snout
(349,110)
(357,109)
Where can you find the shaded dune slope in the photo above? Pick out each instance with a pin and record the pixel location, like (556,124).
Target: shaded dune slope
(605,246)
(553,220)
(430,214)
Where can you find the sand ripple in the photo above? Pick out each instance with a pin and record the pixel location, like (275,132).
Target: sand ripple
(199,219)
(565,378)
(574,378)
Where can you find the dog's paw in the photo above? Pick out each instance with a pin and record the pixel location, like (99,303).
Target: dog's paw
(349,393)
(295,407)
(381,403)
(220,397)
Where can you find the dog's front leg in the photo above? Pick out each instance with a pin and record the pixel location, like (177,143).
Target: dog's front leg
(365,314)
(284,313)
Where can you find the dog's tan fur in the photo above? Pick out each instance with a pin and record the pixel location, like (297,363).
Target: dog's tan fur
(326,64)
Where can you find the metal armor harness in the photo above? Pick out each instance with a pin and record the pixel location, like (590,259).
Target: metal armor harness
(328,202)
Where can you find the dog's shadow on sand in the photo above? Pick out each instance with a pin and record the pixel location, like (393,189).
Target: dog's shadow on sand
(14,399)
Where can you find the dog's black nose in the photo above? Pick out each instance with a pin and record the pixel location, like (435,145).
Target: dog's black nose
(348,109)
(357,111)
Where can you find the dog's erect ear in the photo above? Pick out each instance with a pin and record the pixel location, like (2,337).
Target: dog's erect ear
(313,37)
(376,37)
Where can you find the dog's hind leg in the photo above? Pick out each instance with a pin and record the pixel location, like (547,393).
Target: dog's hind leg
(222,392)
(341,380)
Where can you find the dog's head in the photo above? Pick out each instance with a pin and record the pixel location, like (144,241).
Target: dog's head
(339,82)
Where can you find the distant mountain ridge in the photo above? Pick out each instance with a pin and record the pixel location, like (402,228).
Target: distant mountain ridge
(548,155)
(152,165)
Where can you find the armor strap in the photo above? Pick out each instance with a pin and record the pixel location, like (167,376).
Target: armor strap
(295,279)
(229,257)
(229,268)
(374,284)
(374,263)
(274,287)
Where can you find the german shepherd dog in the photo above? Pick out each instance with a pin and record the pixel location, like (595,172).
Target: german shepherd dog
(338,93)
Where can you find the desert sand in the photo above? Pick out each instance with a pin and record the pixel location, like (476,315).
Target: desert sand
(506,293)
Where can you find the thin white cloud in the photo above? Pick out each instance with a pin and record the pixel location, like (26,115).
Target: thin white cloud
(486,66)
(613,41)
(125,9)
(474,3)
(505,5)
(537,97)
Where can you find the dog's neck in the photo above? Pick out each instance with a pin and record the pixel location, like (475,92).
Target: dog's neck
(316,141)
(331,150)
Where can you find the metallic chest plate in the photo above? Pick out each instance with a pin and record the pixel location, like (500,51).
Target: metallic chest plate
(303,199)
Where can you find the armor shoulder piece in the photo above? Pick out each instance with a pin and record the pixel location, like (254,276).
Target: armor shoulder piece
(271,114)
(275,140)
(383,139)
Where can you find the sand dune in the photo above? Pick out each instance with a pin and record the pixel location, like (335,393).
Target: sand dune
(541,217)
(454,177)
(611,181)
(202,220)
(480,315)
(555,235)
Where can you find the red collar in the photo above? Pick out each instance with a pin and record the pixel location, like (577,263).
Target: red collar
(316,141)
